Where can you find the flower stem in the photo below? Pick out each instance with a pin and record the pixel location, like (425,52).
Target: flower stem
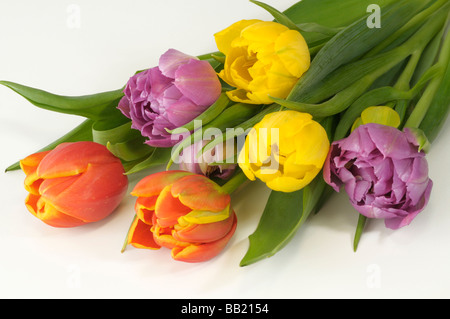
(125,242)
(421,109)
(233,184)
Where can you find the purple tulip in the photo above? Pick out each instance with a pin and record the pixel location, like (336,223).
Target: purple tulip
(383,173)
(207,164)
(169,96)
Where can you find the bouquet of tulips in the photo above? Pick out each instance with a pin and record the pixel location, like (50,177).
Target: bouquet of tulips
(329,95)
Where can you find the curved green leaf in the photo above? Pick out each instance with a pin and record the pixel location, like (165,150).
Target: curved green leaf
(283,215)
(159,156)
(91,106)
(82,132)
(353,42)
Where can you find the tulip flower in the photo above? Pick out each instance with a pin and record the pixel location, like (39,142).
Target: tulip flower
(382,171)
(262,60)
(185,212)
(169,95)
(73,184)
(286,150)
(211,163)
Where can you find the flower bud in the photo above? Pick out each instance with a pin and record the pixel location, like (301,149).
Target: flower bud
(211,163)
(73,184)
(286,150)
(185,212)
(262,60)
(383,173)
(168,96)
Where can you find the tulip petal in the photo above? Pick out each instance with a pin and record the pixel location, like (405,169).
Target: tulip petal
(203,252)
(289,184)
(168,208)
(206,217)
(204,233)
(163,237)
(144,208)
(200,193)
(390,141)
(153,184)
(293,52)
(30,163)
(49,214)
(140,235)
(56,163)
(94,194)
(225,37)
(182,111)
(198,81)
(171,60)
(262,34)
(29,166)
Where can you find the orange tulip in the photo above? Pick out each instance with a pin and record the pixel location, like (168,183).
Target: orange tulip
(185,212)
(73,184)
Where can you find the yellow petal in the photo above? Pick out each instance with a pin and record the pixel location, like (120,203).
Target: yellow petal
(293,52)
(312,145)
(240,96)
(286,184)
(204,217)
(225,37)
(262,35)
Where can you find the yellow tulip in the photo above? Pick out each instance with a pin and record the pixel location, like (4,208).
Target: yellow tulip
(286,150)
(262,60)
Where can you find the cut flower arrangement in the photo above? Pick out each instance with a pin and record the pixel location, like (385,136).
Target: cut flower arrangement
(309,103)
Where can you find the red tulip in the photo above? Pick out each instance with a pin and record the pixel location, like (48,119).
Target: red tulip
(73,184)
(185,212)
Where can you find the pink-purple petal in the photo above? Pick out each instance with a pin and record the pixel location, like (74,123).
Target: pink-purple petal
(383,173)
(198,82)
(171,60)
(157,99)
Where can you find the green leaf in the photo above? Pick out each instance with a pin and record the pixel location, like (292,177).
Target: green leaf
(159,156)
(279,16)
(93,106)
(282,217)
(359,230)
(351,43)
(330,13)
(130,150)
(82,132)
(439,109)
(113,130)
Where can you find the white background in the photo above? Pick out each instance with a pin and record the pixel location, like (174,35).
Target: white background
(43,46)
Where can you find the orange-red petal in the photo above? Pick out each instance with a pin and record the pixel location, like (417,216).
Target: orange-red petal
(203,252)
(145,209)
(163,237)
(204,233)
(29,166)
(30,163)
(73,158)
(49,214)
(140,235)
(153,184)
(93,195)
(168,208)
(200,193)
